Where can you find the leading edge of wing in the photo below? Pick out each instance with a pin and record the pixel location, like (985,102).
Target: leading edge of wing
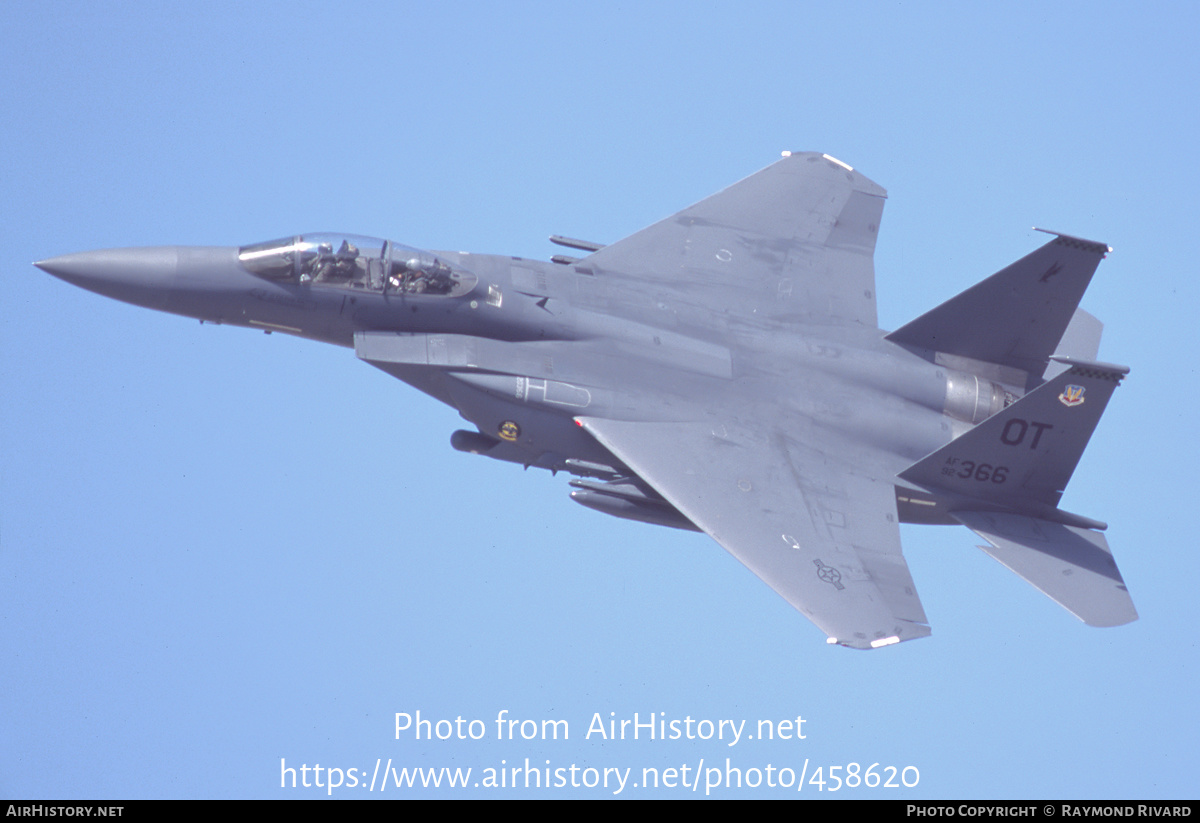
(794,241)
(826,540)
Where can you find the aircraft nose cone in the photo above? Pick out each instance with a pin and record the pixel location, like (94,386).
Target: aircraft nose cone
(141,276)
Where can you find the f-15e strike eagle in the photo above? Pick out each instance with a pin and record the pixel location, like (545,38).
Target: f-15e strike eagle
(723,371)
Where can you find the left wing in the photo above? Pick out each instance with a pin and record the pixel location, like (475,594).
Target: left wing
(823,537)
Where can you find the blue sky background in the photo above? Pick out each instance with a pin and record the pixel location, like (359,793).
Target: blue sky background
(220,548)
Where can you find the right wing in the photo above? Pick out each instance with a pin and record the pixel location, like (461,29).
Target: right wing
(1017,316)
(793,242)
(823,537)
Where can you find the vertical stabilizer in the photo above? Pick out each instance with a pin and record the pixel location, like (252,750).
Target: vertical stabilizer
(1022,457)
(1081,341)
(1017,316)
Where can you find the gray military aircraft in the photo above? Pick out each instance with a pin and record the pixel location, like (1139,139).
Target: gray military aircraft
(723,371)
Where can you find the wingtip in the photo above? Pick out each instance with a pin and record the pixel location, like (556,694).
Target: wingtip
(834,160)
(812,155)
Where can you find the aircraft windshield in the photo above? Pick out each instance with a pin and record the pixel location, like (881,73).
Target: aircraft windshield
(353,262)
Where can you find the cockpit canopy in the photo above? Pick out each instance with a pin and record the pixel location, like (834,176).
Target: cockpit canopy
(353,262)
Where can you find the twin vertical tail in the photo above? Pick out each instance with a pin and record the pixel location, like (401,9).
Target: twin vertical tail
(1005,476)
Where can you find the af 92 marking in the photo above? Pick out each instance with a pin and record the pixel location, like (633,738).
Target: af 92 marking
(1014,431)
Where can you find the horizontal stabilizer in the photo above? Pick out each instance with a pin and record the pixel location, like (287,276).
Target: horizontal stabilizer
(1023,456)
(1017,316)
(1073,567)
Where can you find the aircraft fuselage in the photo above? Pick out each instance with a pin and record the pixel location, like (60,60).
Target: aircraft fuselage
(564,342)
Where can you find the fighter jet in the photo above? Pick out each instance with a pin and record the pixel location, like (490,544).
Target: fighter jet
(723,371)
